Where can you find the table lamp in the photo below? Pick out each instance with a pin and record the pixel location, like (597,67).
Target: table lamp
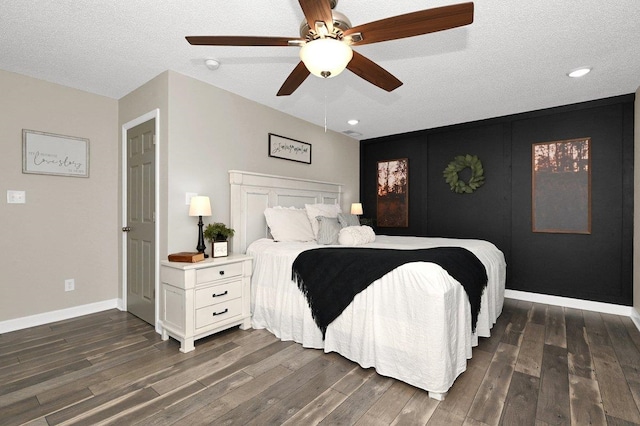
(356,208)
(200,206)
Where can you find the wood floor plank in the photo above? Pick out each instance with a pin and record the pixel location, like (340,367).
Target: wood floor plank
(555,332)
(553,398)
(531,349)
(353,380)
(354,407)
(579,355)
(418,410)
(515,328)
(318,409)
(586,405)
(114,408)
(520,405)
(538,313)
(489,401)
(54,405)
(389,405)
(442,418)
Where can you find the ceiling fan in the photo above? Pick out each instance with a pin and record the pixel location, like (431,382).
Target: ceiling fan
(326,37)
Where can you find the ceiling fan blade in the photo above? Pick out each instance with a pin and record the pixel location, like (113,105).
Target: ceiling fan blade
(295,79)
(414,24)
(240,40)
(317,10)
(372,72)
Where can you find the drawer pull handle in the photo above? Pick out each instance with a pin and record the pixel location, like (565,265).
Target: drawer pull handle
(221,294)
(220,313)
(221,272)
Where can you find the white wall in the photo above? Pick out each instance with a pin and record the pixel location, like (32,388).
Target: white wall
(67,228)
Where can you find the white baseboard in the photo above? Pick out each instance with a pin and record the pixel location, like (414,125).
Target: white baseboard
(567,302)
(62,314)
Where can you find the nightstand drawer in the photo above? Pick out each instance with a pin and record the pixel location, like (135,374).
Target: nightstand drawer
(218,312)
(218,273)
(218,294)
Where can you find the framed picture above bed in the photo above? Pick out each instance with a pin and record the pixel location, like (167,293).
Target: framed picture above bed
(561,186)
(289,149)
(393,193)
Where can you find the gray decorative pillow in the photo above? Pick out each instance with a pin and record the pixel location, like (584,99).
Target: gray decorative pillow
(348,220)
(328,230)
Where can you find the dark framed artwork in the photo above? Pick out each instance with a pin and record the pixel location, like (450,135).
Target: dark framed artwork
(561,186)
(289,149)
(393,193)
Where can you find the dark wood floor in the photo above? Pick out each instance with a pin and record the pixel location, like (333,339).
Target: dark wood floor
(543,365)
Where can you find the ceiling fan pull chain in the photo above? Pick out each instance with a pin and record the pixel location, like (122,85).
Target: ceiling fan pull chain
(325,109)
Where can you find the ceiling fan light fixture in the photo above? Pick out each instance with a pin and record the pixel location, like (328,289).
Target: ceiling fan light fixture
(326,57)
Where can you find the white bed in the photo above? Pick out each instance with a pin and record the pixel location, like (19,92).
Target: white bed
(420,334)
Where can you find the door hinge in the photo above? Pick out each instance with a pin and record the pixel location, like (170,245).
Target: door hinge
(153,216)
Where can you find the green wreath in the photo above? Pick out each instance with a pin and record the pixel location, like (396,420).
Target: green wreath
(460,163)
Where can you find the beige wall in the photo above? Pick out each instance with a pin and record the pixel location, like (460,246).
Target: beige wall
(67,228)
(212,131)
(71,227)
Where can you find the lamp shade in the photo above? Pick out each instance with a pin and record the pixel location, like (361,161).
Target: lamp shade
(326,57)
(356,208)
(200,206)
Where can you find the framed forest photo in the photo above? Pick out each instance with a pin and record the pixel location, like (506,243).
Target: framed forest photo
(393,193)
(561,186)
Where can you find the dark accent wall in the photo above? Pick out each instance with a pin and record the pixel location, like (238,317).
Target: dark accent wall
(594,267)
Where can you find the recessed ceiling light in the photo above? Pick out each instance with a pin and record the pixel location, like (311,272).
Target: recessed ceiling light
(580,72)
(353,121)
(212,64)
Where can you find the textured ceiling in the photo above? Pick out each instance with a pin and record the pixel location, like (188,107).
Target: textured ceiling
(513,58)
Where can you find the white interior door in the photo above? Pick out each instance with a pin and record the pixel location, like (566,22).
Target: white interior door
(140,226)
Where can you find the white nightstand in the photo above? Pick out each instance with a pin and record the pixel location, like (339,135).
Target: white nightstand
(203,298)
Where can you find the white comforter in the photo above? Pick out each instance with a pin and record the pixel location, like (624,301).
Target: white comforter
(413,324)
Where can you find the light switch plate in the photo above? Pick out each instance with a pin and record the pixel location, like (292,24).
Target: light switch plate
(16,197)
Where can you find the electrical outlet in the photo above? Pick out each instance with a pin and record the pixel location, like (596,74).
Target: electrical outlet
(69,285)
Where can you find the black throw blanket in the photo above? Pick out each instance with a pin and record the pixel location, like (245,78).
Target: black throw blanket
(331,277)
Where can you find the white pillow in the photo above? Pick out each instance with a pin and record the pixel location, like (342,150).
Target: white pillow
(315,210)
(289,224)
(356,235)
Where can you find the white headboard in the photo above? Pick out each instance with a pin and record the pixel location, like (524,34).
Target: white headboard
(252,193)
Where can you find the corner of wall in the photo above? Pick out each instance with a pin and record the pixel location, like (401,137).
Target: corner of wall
(636,208)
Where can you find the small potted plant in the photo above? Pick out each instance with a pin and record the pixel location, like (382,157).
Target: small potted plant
(217,234)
